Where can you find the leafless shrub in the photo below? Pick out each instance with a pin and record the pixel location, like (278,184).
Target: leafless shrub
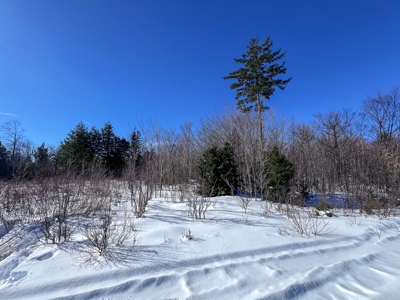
(305,224)
(319,226)
(279,208)
(10,204)
(353,221)
(98,232)
(55,230)
(297,224)
(53,201)
(7,222)
(173,196)
(53,204)
(266,209)
(345,211)
(244,203)
(381,207)
(124,230)
(165,236)
(198,203)
(96,194)
(140,193)
(183,191)
(103,232)
(378,232)
(384,213)
(187,235)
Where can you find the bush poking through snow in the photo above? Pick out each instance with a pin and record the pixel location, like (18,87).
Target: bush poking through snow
(183,191)
(305,224)
(378,232)
(55,230)
(104,232)
(124,230)
(11,194)
(98,232)
(266,209)
(187,235)
(198,204)
(165,236)
(140,192)
(352,220)
(244,203)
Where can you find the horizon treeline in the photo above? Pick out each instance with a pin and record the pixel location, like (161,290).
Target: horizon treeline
(356,153)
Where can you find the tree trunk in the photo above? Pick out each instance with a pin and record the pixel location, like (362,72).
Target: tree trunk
(260,122)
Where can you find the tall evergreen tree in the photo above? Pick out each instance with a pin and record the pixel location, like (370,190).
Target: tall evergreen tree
(96,142)
(42,165)
(41,154)
(135,148)
(112,150)
(82,148)
(121,155)
(108,146)
(76,150)
(257,79)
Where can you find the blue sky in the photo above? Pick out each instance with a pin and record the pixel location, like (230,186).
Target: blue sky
(62,62)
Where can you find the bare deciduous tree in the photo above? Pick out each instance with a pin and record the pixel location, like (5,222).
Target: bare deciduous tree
(13,135)
(381,115)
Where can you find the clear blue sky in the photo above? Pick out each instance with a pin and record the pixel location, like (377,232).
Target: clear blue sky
(62,62)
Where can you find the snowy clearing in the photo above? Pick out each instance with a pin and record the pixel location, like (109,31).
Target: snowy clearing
(224,257)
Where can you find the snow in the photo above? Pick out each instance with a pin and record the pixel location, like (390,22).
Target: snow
(227,258)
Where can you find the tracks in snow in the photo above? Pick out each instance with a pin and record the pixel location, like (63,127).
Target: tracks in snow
(236,273)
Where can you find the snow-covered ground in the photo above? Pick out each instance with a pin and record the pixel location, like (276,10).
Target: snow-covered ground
(226,259)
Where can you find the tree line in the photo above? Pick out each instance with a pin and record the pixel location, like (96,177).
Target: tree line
(355,153)
(80,152)
(249,151)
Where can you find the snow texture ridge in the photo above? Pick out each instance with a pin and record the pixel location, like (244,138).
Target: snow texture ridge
(227,258)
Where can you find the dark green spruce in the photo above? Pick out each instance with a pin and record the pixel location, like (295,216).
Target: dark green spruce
(217,171)
(279,172)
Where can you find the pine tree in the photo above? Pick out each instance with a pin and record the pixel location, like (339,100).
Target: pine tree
(257,79)
(76,150)
(111,149)
(42,165)
(41,154)
(120,156)
(96,143)
(108,147)
(135,149)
